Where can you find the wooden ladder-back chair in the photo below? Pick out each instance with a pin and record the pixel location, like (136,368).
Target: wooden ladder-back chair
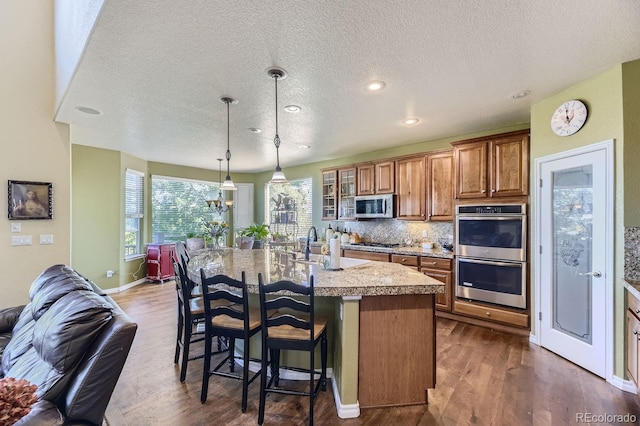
(227,315)
(190,314)
(294,326)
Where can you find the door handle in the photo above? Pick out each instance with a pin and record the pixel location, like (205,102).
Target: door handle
(595,274)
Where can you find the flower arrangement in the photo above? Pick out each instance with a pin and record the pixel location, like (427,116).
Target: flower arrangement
(16,398)
(218,229)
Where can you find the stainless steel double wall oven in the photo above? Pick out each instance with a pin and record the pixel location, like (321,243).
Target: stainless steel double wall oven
(491,254)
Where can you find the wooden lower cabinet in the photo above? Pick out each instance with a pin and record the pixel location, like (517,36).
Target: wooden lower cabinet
(367,255)
(440,269)
(397,350)
(406,260)
(492,313)
(633,338)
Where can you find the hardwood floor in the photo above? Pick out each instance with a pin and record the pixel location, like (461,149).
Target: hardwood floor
(483,378)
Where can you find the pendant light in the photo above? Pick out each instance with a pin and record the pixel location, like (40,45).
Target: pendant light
(219,204)
(228,183)
(278,175)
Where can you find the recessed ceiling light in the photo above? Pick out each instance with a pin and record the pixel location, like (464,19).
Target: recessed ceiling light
(304,146)
(88,110)
(521,94)
(292,108)
(375,85)
(410,121)
(254,130)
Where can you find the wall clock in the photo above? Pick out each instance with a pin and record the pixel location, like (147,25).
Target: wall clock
(568,118)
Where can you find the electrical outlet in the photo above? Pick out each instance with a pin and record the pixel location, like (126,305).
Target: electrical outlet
(15,227)
(110,273)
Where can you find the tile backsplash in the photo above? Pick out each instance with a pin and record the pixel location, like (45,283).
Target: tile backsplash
(632,253)
(395,231)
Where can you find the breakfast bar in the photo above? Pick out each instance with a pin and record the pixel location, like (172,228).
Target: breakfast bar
(382,320)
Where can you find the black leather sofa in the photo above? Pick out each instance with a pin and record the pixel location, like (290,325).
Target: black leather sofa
(71,340)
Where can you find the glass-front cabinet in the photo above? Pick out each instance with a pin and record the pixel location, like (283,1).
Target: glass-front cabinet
(347,193)
(329,194)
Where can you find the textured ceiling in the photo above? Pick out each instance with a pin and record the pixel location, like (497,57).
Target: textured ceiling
(156,70)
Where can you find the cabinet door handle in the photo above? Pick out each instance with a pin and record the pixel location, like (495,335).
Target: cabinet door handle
(635,332)
(493,190)
(637,311)
(488,314)
(483,191)
(433,263)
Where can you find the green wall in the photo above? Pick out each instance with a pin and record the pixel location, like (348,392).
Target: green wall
(95,209)
(603,96)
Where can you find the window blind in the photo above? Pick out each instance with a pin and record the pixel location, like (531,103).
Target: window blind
(178,207)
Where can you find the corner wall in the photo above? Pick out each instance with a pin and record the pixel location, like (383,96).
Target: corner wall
(35,148)
(603,96)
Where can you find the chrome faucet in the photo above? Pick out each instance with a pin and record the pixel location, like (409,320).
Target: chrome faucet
(307,250)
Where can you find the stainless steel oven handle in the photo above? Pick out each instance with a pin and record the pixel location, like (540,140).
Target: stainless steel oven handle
(492,262)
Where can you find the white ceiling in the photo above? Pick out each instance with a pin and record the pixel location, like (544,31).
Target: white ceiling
(156,70)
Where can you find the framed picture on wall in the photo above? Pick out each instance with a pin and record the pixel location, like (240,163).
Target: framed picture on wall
(30,200)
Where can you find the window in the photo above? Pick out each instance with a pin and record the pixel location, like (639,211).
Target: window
(178,207)
(134,212)
(289,208)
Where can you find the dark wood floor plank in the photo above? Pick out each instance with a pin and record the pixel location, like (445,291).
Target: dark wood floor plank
(483,377)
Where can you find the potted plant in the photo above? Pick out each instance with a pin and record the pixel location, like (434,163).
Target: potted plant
(258,232)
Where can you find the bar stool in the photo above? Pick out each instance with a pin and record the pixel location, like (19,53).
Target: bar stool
(293,326)
(190,314)
(227,315)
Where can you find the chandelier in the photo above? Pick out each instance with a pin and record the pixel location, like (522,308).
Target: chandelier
(278,174)
(219,205)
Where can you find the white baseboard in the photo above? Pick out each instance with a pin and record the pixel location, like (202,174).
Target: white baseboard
(345,411)
(124,287)
(624,385)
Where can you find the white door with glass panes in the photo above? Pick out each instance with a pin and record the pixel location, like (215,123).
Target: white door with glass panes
(574,277)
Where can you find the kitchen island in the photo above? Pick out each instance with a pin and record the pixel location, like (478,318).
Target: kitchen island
(382,321)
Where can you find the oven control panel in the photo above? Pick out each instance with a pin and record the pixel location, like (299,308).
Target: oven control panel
(494,209)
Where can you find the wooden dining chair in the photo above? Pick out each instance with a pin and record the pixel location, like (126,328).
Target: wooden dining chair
(190,314)
(182,254)
(227,315)
(293,326)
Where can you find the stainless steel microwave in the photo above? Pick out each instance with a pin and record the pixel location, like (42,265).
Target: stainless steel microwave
(375,206)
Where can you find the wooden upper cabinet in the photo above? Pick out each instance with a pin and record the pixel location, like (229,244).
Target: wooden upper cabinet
(496,166)
(440,186)
(385,177)
(366,179)
(376,178)
(509,166)
(410,188)
(346,194)
(470,168)
(329,194)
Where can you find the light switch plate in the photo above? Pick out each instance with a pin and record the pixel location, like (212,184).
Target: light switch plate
(21,240)
(15,227)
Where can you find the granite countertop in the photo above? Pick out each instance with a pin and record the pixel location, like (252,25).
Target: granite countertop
(358,278)
(416,251)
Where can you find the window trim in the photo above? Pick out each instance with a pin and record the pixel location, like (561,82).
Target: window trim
(139,201)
